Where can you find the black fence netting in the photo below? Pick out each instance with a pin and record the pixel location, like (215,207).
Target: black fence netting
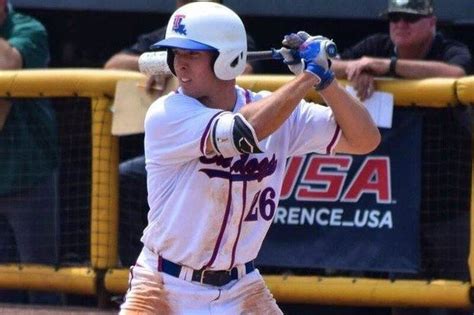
(45,173)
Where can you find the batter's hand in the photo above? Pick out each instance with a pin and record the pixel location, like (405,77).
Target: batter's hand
(316,59)
(294,41)
(291,56)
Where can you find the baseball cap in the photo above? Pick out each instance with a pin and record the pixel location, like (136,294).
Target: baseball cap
(418,7)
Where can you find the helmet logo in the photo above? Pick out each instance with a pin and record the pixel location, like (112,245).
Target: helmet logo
(178,26)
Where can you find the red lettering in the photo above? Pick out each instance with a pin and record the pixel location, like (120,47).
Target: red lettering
(372,177)
(320,172)
(293,168)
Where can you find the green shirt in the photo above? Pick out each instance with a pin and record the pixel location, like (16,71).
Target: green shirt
(28,140)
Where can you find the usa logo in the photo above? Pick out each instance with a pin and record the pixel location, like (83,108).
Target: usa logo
(178,25)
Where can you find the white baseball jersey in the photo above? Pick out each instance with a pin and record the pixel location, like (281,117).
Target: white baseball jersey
(210,211)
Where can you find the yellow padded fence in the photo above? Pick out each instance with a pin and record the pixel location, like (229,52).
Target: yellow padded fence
(346,291)
(78,280)
(465,90)
(62,82)
(437,92)
(104,216)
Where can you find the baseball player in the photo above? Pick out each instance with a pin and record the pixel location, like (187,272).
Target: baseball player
(215,157)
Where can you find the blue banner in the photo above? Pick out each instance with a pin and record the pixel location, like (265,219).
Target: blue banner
(352,212)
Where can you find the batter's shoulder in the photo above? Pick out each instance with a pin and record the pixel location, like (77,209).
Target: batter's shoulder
(174,106)
(253,96)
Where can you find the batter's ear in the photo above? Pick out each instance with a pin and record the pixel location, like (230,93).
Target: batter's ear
(169,60)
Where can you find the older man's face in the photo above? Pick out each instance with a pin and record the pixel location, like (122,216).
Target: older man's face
(406,30)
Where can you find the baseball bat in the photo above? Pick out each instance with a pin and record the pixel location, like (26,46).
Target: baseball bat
(154,63)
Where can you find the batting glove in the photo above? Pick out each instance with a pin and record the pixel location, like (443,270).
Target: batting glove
(290,53)
(292,59)
(311,53)
(315,53)
(294,41)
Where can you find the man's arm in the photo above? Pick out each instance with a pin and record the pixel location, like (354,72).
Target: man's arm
(268,114)
(361,72)
(10,57)
(359,133)
(419,69)
(405,68)
(123,61)
(339,67)
(265,116)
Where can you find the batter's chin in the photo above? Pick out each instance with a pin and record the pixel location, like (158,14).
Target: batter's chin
(190,93)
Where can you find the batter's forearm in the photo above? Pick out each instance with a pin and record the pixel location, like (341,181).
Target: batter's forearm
(269,113)
(360,135)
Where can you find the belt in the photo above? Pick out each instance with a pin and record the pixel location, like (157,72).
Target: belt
(216,278)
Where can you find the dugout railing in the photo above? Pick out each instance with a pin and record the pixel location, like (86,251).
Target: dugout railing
(99,273)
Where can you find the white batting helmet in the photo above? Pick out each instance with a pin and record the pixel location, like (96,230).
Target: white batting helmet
(208,26)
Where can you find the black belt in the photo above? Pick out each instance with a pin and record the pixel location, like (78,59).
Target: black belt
(216,278)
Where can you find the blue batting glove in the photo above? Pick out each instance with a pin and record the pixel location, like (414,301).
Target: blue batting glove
(314,52)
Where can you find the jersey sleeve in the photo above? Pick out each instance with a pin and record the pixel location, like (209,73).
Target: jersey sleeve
(458,54)
(312,128)
(30,38)
(176,129)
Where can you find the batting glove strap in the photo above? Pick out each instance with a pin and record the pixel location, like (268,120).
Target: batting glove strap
(326,76)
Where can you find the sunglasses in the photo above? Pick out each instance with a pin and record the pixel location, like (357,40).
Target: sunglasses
(409,18)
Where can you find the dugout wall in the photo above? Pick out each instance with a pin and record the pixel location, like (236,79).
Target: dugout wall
(92,236)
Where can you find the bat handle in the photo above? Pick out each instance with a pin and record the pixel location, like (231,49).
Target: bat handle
(264,55)
(328,45)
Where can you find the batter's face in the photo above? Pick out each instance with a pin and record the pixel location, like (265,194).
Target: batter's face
(405,32)
(194,72)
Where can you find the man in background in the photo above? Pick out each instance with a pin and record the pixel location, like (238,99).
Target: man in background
(28,154)
(413,49)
